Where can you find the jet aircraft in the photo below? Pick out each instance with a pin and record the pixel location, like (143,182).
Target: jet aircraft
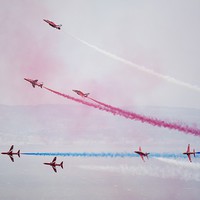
(53,24)
(34,82)
(53,164)
(142,154)
(10,153)
(188,153)
(81,93)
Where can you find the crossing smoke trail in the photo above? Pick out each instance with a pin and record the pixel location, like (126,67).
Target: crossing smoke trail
(141,68)
(105,154)
(132,116)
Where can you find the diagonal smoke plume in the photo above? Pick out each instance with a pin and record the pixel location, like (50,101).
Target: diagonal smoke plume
(131,115)
(140,68)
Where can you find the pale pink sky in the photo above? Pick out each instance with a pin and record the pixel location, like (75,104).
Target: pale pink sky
(161,36)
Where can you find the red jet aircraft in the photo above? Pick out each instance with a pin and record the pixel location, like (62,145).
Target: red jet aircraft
(142,154)
(81,93)
(53,24)
(188,153)
(34,82)
(53,164)
(10,153)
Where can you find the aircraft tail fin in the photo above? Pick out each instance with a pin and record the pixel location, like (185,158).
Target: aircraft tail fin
(18,153)
(59,26)
(61,164)
(147,155)
(41,85)
(188,149)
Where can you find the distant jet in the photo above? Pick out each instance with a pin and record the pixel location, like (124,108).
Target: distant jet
(53,24)
(142,154)
(53,164)
(81,93)
(10,153)
(188,153)
(34,82)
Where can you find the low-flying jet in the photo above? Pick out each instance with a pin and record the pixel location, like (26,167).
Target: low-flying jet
(11,153)
(142,154)
(34,82)
(57,26)
(81,93)
(53,164)
(188,153)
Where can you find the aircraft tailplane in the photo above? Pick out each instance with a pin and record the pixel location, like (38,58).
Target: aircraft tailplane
(18,153)
(61,164)
(86,94)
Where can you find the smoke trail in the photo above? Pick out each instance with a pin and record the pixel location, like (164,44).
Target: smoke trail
(154,122)
(151,169)
(132,116)
(84,154)
(180,163)
(105,154)
(140,68)
(80,101)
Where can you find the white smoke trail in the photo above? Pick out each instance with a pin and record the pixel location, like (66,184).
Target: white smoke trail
(148,169)
(180,163)
(140,68)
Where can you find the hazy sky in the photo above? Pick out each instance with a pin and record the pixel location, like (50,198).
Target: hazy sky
(161,35)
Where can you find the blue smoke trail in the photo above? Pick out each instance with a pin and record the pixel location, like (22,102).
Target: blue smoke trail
(107,154)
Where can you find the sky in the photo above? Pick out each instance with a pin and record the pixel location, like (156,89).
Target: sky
(141,56)
(162,36)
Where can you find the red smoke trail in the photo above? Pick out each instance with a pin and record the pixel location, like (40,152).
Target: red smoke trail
(152,121)
(132,116)
(80,101)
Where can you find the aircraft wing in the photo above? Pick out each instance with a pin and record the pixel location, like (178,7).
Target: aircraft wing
(53,24)
(189,157)
(11,148)
(54,168)
(12,159)
(33,85)
(54,160)
(142,157)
